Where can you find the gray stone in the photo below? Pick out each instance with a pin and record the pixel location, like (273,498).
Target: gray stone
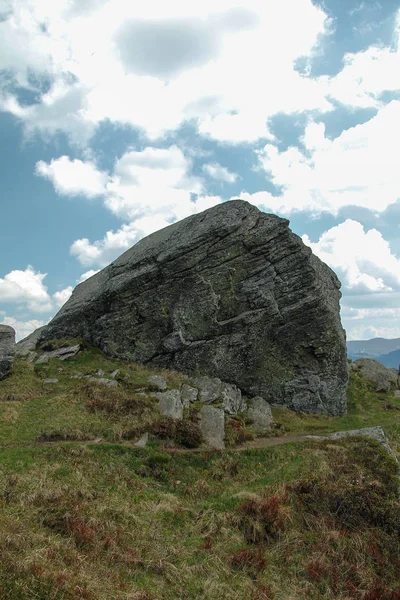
(396,393)
(49,381)
(375,433)
(170,404)
(231,398)
(114,374)
(61,353)
(260,413)
(103,381)
(209,388)
(157,383)
(189,395)
(212,424)
(7,350)
(142,442)
(383,378)
(28,344)
(100,373)
(229,293)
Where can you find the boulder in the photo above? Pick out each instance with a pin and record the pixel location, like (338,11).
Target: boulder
(259,411)
(60,353)
(231,398)
(7,350)
(383,378)
(209,388)
(212,424)
(230,293)
(157,383)
(28,344)
(170,404)
(189,395)
(103,381)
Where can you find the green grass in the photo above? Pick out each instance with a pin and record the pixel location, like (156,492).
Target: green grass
(108,521)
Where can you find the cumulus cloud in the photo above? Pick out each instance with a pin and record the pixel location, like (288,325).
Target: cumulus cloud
(22,328)
(362,259)
(73,177)
(86,275)
(357,168)
(102,252)
(151,68)
(220,173)
(26,288)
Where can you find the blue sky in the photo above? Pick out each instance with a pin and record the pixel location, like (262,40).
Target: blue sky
(118,118)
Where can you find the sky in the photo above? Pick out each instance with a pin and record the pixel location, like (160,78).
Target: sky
(118,118)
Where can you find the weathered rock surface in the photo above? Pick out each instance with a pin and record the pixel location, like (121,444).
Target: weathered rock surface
(28,344)
(189,394)
(61,353)
(231,293)
(383,378)
(157,383)
(212,424)
(7,349)
(170,404)
(260,413)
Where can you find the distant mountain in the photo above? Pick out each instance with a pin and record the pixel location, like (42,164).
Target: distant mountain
(391,360)
(375,348)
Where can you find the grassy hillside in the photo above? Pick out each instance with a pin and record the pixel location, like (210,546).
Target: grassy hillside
(86,515)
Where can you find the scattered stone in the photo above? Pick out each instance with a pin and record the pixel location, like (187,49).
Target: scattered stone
(157,383)
(49,381)
(212,424)
(114,374)
(383,378)
(100,373)
(103,381)
(397,394)
(61,353)
(170,404)
(189,395)
(142,442)
(7,349)
(231,398)
(209,388)
(260,413)
(76,377)
(375,433)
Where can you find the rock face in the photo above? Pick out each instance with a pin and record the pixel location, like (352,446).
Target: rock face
(230,293)
(7,349)
(383,378)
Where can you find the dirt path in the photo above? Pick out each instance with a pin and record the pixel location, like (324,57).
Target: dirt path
(256,444)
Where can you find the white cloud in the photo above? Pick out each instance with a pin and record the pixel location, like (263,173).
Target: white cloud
(22,328)
(220,173)
(26,289)
(362,259)
(359,168)
(61,297)
(102,252)
(118,74)
(367,332)
(73,177)
(86,275)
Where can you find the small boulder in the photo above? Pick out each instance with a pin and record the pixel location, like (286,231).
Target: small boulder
(61,353)
(231,398)
(7,350)
(50,381)
(189,395)
(383,378)
(103,381)
(142,442)
(212,424)
(260,413)
(397,394)
(28,345)
(209,388)
(170,404)
(157,383)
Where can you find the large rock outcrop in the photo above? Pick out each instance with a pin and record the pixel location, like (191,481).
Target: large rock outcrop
(7,348)
(231,293)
